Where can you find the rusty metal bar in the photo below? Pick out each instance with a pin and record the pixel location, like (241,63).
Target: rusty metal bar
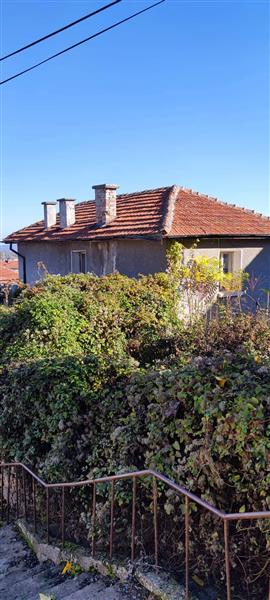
(26,469)
(34,504)
(48,514)
(24,495)
(94,521)
(63,517)
(2,492)
(8,495)
(144,473)
(227,559)
(246,516)
(186,548)
(133,524)
(108,479)
(189,496)
(112,519)
(155,519)
(17,492)
(181,490)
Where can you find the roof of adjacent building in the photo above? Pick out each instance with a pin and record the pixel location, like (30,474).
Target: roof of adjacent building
(9,271)
(163,212)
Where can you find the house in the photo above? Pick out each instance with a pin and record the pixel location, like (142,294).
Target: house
(9,279)
(129,233)
(9,272)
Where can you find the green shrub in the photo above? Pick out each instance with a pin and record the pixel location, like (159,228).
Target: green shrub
(83,314)
(99,376)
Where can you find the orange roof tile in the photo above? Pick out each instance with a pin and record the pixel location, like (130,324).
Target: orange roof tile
(200,215)
(162,212)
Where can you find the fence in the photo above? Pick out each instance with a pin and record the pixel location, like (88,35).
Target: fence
(19,470)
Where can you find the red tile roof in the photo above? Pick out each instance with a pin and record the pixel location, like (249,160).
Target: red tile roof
(167,212)
(200,215)
(9,271)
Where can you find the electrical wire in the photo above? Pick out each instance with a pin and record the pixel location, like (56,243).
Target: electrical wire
(45,37)
(91,37)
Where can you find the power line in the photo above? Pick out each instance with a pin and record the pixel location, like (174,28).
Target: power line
(91,37)
(45,37)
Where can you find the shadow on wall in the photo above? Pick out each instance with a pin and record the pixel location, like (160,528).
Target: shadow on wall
(258,287)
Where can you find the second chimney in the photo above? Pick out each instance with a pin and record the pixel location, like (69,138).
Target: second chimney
(105,197)
(67,212)
(49,214)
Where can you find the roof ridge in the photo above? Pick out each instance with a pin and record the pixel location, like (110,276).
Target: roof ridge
(137,193)
(169,209)
(147,191)
(84,202)
(219,201)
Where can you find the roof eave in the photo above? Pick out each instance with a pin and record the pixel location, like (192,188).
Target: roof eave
(154,236)
(219,235)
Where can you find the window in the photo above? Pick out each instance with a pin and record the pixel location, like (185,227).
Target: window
(78,261)
(227,261)
(232,260)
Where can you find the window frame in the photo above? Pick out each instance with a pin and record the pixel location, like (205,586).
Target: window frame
(230,260)
(234,259)
(80,252)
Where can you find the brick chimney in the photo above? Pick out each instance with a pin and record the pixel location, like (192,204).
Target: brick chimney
(49,214)
(105,197)
(67,212)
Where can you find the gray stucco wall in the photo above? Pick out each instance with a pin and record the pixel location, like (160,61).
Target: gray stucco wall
(251,255)
(132,257)
(129,257)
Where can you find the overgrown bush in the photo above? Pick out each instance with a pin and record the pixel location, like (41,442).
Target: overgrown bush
(100,375)
(83,314)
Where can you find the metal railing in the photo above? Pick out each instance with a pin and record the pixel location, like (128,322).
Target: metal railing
(112,479)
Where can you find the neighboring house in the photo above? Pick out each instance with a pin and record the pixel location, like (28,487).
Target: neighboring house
(9,279)
(129,233)
(9,271)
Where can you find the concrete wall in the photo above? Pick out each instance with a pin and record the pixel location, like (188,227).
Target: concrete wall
(129,257)
(132,257)
(250,255)
(136,257)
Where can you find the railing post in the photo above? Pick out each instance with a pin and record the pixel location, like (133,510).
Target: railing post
(94,522)
(112,518)
(17,492)
(63,517)
(186,548)
(47,514)
(133,524)
(24,494)
(8,495)
(2,493)
(227,558)
(155,519)
(34,504)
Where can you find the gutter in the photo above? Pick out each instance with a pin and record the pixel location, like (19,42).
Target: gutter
(23,259)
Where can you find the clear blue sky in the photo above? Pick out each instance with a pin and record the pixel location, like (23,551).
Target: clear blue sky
(179,95)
